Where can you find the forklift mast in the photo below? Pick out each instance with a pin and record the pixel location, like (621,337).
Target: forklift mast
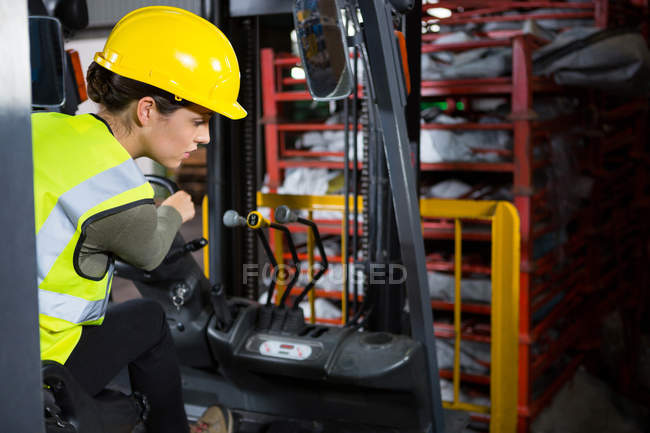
(387,90)
(388,99)
(388,93)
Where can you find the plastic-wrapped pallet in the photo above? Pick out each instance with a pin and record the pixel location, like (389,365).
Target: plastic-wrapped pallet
(456,189)
(547,25)
(312,181)
(447,392)
(307,181)
(474,356)
(479,62)
(330,141)
(615,61)
(448,146)
(443,286)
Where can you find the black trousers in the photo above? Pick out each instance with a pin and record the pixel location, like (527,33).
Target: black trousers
(134,334)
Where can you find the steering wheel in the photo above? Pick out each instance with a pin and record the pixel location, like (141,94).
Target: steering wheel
(166,183)
(177,250)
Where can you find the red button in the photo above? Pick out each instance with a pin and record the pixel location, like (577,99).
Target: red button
(286,346)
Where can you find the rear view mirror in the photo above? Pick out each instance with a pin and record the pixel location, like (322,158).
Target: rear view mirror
(323,49)
(47,62)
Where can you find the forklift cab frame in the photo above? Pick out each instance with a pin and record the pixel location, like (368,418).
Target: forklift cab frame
(388,96)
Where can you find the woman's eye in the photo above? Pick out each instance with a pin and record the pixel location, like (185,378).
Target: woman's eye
(199,123)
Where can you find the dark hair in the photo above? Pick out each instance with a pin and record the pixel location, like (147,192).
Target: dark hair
(116,92)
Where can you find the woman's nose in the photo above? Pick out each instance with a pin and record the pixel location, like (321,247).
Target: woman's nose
(203,137)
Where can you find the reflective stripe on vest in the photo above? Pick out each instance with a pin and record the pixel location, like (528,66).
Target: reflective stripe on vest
(72,308)
(61,224)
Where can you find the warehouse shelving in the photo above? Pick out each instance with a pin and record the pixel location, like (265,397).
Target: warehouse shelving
(279,157)
(558,281)
(602,13)
(547,283)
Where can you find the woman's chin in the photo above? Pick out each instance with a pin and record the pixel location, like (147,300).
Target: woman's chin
(171,164)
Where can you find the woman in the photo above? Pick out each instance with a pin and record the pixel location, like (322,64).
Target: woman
(162,74)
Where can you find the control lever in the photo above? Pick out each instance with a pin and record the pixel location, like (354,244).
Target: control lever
(284,215)
(255,220)
(193,245)
(232,219)
(220,306)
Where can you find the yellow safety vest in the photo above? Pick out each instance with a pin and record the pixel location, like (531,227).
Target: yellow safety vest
(81,174)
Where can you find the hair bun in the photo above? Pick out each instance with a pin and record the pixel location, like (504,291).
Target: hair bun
(115,92)
(97,81)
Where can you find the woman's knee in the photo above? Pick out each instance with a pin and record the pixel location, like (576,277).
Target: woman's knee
(149,314)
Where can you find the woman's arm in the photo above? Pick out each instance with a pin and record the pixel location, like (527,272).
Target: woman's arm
(141,236)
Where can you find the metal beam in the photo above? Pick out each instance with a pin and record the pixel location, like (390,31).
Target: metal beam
(217,174)
(21,405)
(385,66)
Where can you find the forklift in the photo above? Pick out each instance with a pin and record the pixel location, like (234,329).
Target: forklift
(262,361)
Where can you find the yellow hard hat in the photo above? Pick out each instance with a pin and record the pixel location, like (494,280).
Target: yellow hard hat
(177,51)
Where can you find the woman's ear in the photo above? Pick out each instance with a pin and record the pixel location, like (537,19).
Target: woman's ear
(146,110)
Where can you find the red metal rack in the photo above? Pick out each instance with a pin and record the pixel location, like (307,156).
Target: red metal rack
(561,287)
(604,13)
(275,92)
(562,282)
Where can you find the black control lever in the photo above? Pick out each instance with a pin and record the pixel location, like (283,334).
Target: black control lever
(193,245)
(220,305)
(255,220)
(232,219)
(284,215)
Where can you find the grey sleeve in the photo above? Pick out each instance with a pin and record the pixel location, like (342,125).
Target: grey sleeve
(140,236)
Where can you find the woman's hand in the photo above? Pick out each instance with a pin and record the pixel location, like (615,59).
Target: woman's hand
(182,202)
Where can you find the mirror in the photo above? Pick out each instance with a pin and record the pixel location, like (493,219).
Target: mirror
(323,49)
(47,62)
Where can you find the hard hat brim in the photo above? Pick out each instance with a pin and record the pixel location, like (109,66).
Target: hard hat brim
(234,111)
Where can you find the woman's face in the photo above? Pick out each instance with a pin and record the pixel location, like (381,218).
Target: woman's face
(173,136)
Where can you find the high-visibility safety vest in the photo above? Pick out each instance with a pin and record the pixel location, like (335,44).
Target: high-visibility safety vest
(81,174)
